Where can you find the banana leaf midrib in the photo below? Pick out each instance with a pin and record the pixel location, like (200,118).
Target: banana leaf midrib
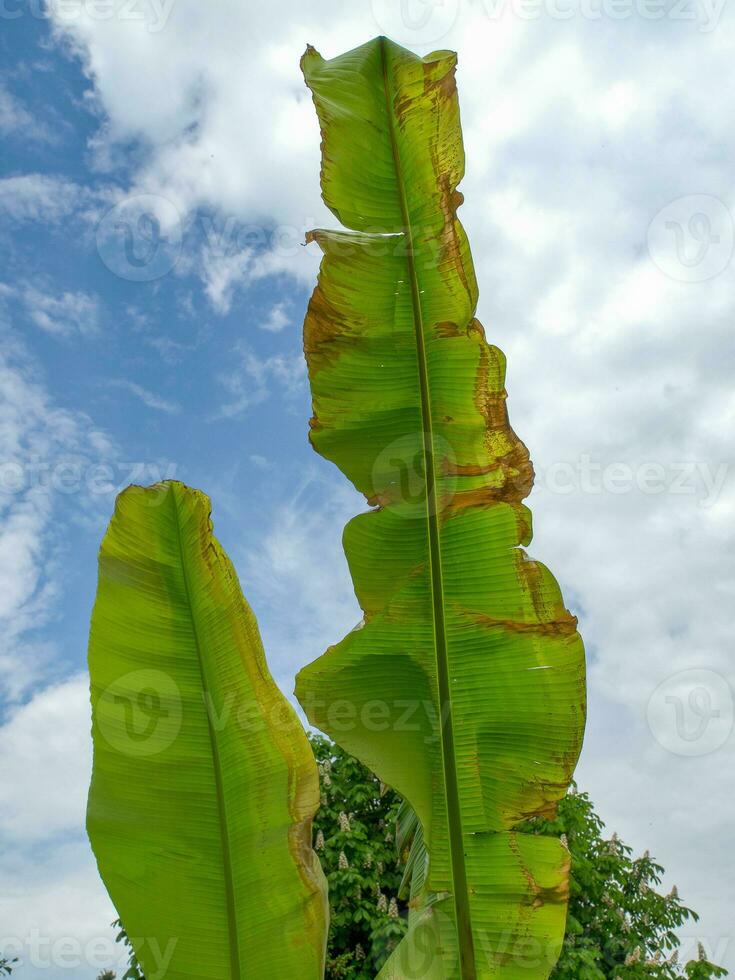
(221,807)
(454,818)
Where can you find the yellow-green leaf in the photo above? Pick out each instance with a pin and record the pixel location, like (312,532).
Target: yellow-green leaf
(464,687)
(204,785)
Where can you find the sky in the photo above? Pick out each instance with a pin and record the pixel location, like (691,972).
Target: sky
(160,164)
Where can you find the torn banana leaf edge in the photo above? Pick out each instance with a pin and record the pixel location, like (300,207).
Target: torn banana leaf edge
(456,616)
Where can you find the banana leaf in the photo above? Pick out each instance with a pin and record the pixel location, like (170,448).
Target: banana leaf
(464,685)
(411,850)
(204,785)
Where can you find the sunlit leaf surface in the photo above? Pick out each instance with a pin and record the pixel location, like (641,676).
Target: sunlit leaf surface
(204,784)
(464,687)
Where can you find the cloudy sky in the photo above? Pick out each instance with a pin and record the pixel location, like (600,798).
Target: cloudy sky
(159,170)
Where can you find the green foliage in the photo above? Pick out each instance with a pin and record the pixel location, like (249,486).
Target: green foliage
(6,966)
(456,617)
(134,971)
(619,926)
(196,753)
(702,969)
(354,836)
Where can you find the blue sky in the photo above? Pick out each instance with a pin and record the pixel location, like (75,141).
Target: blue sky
(159,170)
(214,397)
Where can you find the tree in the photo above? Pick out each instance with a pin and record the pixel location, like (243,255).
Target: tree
(6,966)
(354,836)
(619,926)
(134,971)
(404,384)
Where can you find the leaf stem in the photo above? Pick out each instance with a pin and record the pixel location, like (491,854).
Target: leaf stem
(454,816)
(221,808)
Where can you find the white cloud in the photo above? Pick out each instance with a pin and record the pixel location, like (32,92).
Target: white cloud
(48,736)
(296,574)
(51,894)
(211,144)
(235,256)
(34,197)
(276,319)
(16,120)
(41,448)
(222,274)
(59,313)
(149,398)
(55,911)
(255,378)
(64,313)
(654,807)
(578,132)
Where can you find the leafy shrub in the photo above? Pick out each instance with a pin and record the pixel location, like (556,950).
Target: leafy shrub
(354,836)
(619,926)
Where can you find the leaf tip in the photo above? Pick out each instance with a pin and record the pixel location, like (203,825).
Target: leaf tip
(310,55)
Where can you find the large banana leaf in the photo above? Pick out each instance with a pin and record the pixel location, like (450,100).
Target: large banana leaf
(204,784)
(463,687)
